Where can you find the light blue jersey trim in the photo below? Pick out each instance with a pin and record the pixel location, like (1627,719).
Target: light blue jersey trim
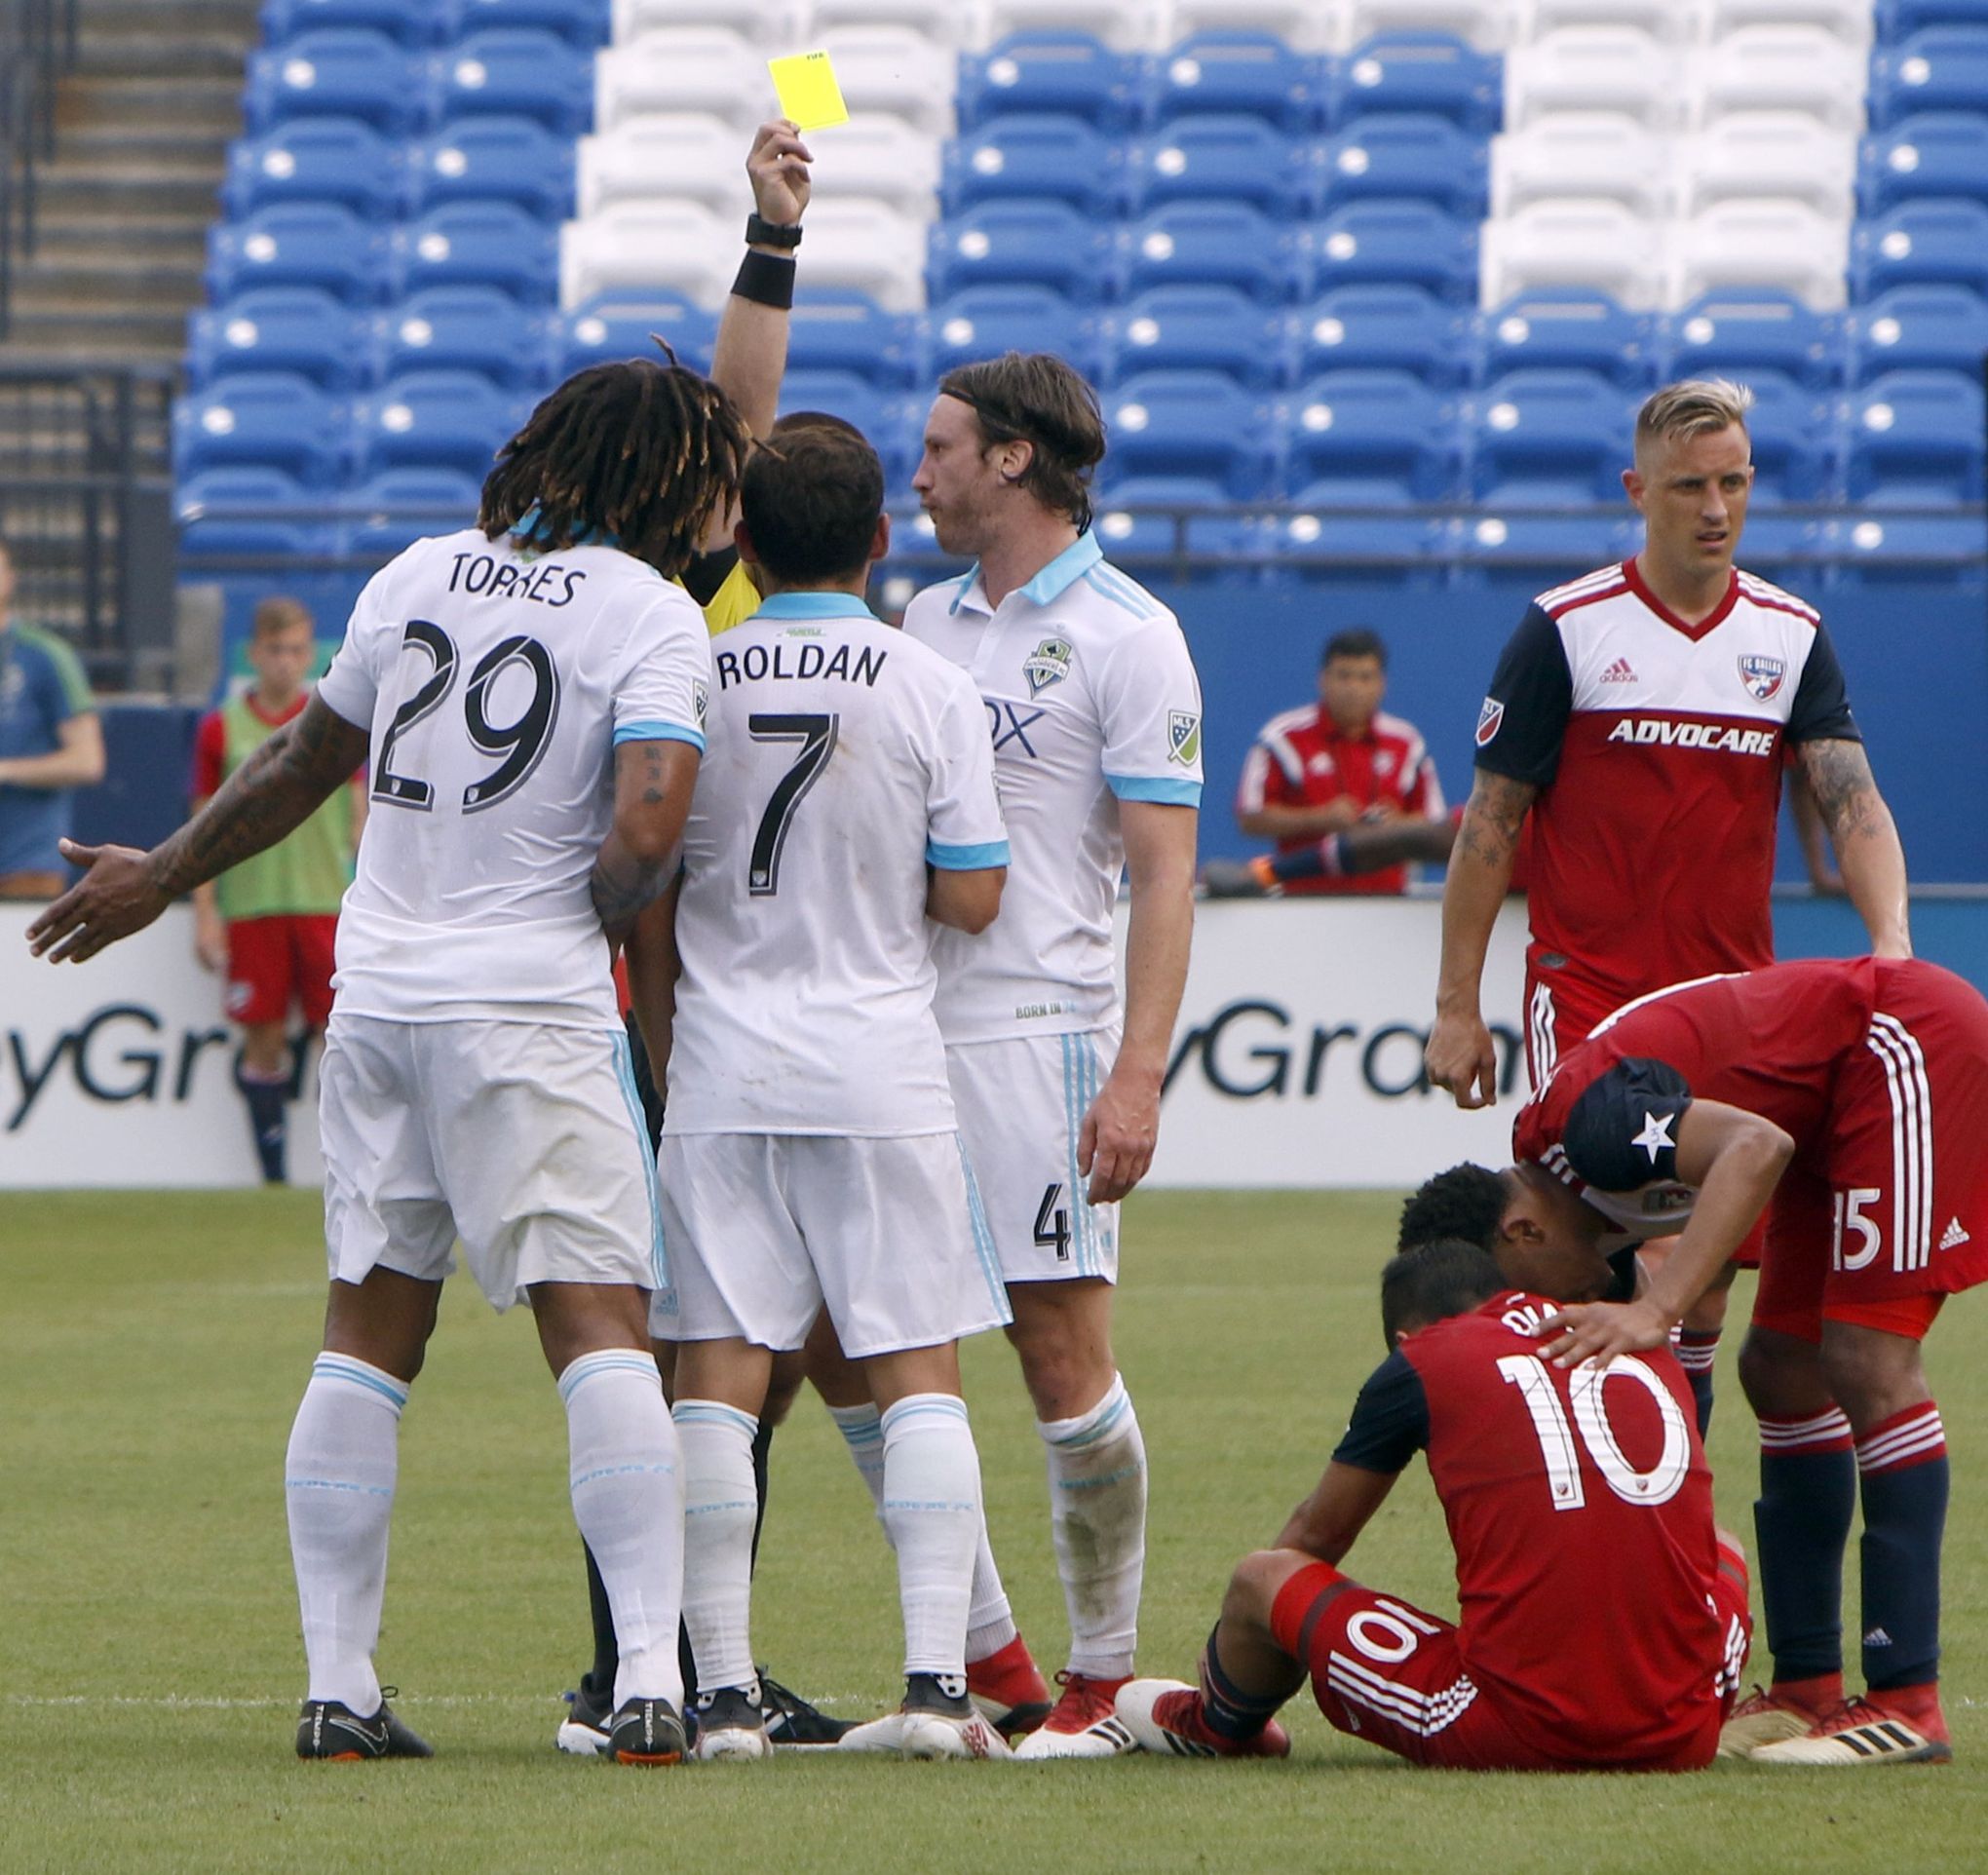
(1154,788)
(1065,570)
(984,1252)
(660,733)
(1080,1089)
(965,581)
(814,605)
(625,1073)
(966,859)
(1121,592)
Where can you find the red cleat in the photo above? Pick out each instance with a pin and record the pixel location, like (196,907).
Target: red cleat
(1009,1689)
(1904,1726)
(1084,1723)
(1168,1716)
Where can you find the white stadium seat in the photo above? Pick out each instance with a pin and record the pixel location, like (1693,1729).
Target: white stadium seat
(1674,21)
(1574,244)
(766,23)
(1784,153)
(682,69)
(1769,241)
(1782,68)
(868,246)
(1582,153)
(952,23)
(882,157)
(1305,25)
(1485,24)
(1848,20)
(641,245)
(1124,25)
(686,156)
(1594,68)
(893,69)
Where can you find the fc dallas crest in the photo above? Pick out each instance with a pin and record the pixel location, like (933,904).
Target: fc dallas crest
(1762,676)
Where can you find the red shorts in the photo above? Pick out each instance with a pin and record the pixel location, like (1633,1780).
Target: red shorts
(275,961)
(1384,1670)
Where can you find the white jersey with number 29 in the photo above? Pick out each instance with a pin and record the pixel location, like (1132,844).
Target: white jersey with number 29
(495,685)
(844,760)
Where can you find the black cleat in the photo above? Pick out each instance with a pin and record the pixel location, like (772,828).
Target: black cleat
(646,1731)
(329,1729)
(791,1721)
(1235,879)
(584,1730)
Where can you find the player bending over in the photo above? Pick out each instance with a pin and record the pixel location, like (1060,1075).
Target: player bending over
(1603,1619)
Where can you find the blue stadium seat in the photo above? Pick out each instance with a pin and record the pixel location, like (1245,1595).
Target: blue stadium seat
(1522,539)
(394,508)
(1916,438)
(585,24)
(225,512)
(1944,68)
(1919,243)
(1043,244)
(1889,548)
(465,329)
(1918,328)
(1405,242)
(831,332)
(1197,329)
(1066,72)
(316,159)
(1389,327)
(494,159)
(480,244)
(605,330)
(1899,19)
(1566,329)
(1793,429)
(1413,155)
(842,394)
(1249,74)
(1935,153)
(412,23)
(1059,159)
(1743,329)
(435,420)
(1371,436)
(1235,159)
(985,322)
(261,420)
(1418,71)
(1137,540)
(338,72)
(1297,544)
(1212,244)
(1542,439)
(281,328)
(1197,425)
(1776,539)
(516,72)
(299,244)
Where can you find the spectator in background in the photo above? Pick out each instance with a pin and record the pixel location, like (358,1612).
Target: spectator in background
(51,743)
(271,922)
(1317,772)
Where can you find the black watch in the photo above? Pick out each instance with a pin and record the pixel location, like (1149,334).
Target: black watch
(762,232)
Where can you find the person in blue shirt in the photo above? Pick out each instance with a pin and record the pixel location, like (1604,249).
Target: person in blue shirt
(51,743)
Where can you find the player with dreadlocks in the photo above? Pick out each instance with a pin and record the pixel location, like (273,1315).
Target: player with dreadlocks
(528,698)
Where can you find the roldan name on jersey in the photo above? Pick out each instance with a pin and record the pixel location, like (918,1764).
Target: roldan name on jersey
(760,661)
(1668,733)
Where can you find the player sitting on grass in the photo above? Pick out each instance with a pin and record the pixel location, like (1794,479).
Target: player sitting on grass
(1604,1618)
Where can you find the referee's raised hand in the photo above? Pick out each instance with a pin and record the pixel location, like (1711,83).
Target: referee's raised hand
(777,170)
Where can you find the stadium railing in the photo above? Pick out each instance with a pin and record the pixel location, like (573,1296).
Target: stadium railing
(37,45)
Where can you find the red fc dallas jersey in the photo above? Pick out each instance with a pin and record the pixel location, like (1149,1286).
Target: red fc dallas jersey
(1580,1507)
(1657,748)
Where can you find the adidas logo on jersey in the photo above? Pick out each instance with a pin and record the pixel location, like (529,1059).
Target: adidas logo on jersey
(1954,1237)
(1619,672)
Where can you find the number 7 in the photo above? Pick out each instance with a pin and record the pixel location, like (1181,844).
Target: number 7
(817,737)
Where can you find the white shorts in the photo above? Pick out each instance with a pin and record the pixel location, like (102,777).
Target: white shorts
(523,1140)
(1021,1102)
(765,1228)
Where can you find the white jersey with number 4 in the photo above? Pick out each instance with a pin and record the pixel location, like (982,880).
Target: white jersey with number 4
(844,760)
(495,685)
(1092,699)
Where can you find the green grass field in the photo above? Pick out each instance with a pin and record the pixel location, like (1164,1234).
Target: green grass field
(154,1347)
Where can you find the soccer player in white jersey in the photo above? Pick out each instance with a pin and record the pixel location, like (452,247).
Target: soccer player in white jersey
(846,810)
(526,694)
(1095,715)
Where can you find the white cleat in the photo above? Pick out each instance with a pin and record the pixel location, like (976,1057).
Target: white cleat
(935,1735)
(885,1735)
(731,1727)
(1859,1733)
(1081,1724)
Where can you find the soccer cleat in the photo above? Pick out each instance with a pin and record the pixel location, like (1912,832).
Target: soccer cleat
(1238,879)
(583,1731)
(1167,1716)
(646,1731)
(331,1730)
(1082,1724)
(933,1722)
(1009,1690)
(1766,1716)
(731,1727)
(791,1722)
(1863,1732)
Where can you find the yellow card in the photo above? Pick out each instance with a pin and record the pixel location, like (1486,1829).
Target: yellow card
(808,91)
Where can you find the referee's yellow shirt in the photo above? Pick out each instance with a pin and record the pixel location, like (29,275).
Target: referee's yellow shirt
(733,603)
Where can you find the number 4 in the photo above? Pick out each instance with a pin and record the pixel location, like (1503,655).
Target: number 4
(1052,1224)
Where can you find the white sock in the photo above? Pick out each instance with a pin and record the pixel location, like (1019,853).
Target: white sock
(990,1622)
(1097,1516)
(338,1483)
(719,1505)
(627,1500)
(932,1514)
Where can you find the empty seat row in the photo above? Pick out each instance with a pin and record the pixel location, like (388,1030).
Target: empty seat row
(322,246)
(437,22)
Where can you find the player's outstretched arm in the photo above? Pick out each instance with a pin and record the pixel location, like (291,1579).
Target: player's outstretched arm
(652,787)
(1861,828)
(279,787)
(1461,1055)
(1327,1523)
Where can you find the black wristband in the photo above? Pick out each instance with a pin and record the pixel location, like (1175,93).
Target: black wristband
(762,232)
(767,280)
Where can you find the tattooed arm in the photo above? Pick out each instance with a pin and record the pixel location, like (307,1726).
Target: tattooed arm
(271,794)
(652,786)
(1460,1056)
(1861,828)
